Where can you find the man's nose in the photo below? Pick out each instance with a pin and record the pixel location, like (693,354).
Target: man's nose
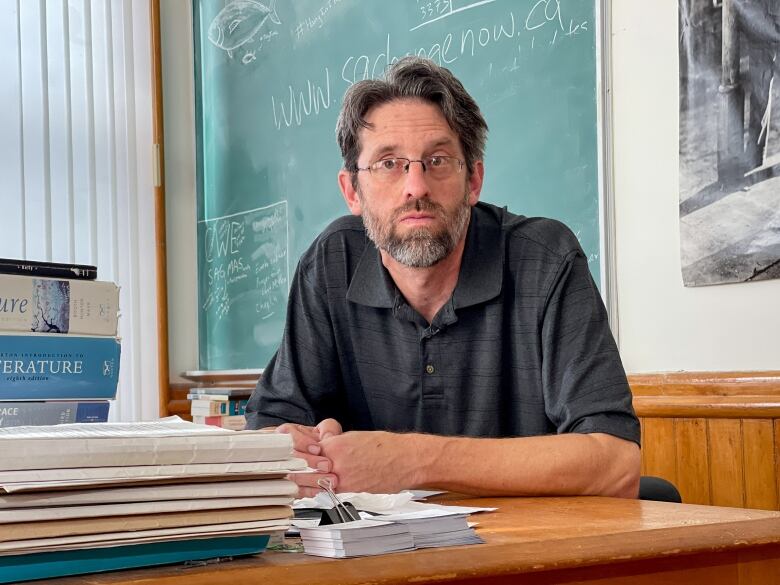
(416,181)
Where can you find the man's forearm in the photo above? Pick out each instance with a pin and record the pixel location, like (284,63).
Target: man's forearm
(569,464)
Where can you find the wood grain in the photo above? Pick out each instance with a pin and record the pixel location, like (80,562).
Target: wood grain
(758,445)
(659,449)
(531,540)
(163,374)
(739,468)
(693,470)
(700,406)
(706,384)
(726,460)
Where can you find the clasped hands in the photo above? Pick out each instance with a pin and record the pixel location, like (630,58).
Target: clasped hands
(355,461)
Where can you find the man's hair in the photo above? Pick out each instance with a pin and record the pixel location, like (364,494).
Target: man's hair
(412,78)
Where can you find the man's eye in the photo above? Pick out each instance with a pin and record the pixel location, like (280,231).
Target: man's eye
(436,161)
(388,164)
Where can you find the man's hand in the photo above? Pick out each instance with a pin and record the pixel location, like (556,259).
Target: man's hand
(306,445)
(371,461)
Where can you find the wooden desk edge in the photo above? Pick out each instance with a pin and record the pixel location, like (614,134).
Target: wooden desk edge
(472,562)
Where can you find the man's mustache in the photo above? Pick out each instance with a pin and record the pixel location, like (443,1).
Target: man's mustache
(419,205)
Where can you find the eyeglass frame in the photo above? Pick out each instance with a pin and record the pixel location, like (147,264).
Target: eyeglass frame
(409,162)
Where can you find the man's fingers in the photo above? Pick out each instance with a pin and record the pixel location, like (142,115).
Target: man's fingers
(329,427)
(315,461)
(305,439)
(307,483)
(312,432)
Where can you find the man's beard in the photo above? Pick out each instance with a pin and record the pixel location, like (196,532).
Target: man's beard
(421,247)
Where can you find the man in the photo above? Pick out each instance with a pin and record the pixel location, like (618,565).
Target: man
(434,341)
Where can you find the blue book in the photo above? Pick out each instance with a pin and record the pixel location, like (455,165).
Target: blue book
(40,366)
(94,560)
(19,414)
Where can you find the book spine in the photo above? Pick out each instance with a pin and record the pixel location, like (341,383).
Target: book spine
(17,414)
(37,366)
(49,305)
(211,407)
(49,269)
(235,423)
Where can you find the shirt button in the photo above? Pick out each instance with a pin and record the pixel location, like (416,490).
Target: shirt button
(430,369)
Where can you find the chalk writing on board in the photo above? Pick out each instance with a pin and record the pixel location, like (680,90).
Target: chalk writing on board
(302,103)
(544,24)
(239,24)
(314,21)
(437,9)
(247,260)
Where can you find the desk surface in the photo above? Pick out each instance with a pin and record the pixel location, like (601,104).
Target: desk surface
(548,540)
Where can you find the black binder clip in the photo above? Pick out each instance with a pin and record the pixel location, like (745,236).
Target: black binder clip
(341,511)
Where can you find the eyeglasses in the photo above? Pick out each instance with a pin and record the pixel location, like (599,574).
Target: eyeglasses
(437,167)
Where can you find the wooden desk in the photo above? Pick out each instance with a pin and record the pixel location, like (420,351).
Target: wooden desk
(532,541)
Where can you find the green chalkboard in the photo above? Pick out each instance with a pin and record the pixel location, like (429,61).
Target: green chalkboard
(270,77)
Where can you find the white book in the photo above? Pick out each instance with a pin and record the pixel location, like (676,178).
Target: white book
(133,508)
(165,442)
(146,472)
(57,305)
(187,491)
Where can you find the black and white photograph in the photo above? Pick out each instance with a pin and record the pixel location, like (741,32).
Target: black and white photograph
(729,141)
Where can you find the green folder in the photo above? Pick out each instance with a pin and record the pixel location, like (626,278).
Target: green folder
(94,560)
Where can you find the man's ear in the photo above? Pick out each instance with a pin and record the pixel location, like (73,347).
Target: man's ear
(475,182)
(349,192)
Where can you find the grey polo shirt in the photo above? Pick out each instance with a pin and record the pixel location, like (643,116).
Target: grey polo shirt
(521,348)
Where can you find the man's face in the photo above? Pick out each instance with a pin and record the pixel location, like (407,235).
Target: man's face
(417,219)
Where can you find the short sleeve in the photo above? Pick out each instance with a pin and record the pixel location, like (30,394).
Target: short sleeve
(585,385)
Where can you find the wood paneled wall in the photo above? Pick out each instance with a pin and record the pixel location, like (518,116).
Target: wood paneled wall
(716,436)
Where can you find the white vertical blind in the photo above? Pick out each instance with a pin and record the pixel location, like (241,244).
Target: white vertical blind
(76,166)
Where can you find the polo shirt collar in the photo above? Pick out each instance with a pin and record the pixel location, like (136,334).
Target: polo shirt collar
(480,270)
(372,284)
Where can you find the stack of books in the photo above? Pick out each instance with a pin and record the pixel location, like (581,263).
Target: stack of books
(219,406)
(59,350)
(182,492)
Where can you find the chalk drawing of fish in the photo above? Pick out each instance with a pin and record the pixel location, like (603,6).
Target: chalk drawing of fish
(238,23)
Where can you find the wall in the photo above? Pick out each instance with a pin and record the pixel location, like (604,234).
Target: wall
(663,325)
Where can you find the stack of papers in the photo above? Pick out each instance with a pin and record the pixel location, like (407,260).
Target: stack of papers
(427,525)
(78,486)
(434,528)
(359,538)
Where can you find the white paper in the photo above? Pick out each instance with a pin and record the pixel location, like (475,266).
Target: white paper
(98,510)
(225,489)
(170,426)
(400,503)
(170,441)
(361,500)
(147,472)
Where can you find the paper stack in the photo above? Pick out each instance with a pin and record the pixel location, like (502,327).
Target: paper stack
(434,528)
(358,538)
(81,487)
